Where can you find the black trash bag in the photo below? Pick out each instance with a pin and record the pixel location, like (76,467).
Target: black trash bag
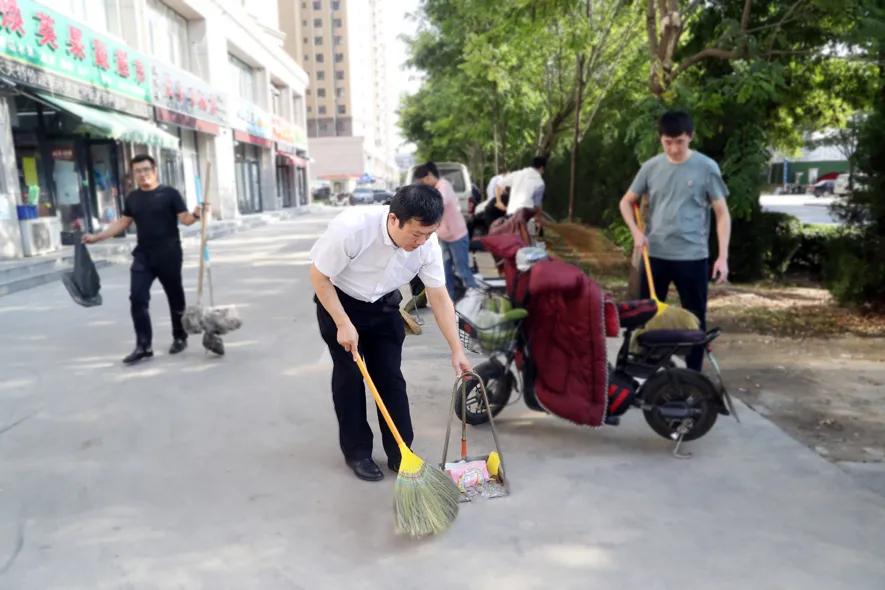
(83,282)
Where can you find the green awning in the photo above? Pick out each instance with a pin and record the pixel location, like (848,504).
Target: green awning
(114,125)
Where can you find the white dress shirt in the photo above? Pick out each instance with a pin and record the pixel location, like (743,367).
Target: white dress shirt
(525,187)
(493,184)
(359,257)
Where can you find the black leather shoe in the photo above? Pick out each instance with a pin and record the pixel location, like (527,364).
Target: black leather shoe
(178,345)
(138,354)
(366,469)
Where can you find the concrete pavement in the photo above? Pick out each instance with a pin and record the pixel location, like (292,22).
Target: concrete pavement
(806,208)
(199,472)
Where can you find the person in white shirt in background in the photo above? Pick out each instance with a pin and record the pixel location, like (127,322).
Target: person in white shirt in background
(452,230)
(526,187)
(491,188)
(358,266)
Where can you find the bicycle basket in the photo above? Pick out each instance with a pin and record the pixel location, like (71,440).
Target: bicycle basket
(496,332)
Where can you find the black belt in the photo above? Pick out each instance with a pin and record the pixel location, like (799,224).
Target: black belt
(389,303)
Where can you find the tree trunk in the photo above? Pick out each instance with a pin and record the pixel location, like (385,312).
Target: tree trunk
(579,84)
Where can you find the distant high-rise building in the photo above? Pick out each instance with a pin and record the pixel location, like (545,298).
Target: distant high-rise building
(341,44)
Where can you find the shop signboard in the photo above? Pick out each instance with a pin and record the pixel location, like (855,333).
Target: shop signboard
(181,98)
(43,48)
(250,123)
(289,134)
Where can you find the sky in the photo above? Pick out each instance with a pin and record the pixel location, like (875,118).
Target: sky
(403,80)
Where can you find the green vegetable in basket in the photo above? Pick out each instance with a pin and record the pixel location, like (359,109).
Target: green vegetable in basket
(499,334)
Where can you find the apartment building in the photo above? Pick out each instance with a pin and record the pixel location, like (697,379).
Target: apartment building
(341,44)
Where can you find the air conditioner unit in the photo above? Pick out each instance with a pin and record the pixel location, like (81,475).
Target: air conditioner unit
(40,235)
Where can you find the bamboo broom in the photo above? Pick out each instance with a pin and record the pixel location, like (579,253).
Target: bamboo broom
(425,499)
(667,317)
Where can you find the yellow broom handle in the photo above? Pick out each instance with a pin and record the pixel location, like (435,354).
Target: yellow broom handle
(651,281)
(362,365)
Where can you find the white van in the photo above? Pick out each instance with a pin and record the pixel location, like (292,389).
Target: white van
(455,173)
(841,186)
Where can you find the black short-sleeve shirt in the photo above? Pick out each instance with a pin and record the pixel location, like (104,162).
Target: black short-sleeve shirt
(156,215)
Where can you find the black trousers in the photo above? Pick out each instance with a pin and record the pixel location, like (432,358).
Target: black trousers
(691,279)
(381,334)
(163,263)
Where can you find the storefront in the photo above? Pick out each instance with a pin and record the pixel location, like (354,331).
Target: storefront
(253,142)
(69,159)
(73,99)
(187,107)
(291,176)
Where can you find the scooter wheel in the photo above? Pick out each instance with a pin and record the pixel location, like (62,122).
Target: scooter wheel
(679,389)
(498,384)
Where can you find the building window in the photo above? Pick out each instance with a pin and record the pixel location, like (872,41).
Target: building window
(336,22)
(276,100)
(319,58)
(309,109)
(104,13)
(337,40)
(341,109)
(321,92)
(244,76)
(167,34)
(308,92)
(298,108)
(339,57)
(304,23)
(336,5)
(321,75)
(317,5)
(317,22)
(317,40)
(306,40)
(339,75)
(339,92)
(322,110)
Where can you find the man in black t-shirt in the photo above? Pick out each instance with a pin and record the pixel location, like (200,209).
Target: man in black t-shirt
(156,210)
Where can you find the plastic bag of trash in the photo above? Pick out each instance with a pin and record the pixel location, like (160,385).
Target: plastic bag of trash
(83,282)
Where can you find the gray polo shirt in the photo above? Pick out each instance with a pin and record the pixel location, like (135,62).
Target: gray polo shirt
(678,225)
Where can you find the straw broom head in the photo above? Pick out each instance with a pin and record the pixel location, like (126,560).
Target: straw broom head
(425,500)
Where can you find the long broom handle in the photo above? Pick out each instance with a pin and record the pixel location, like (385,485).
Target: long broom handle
(651,281)
(381,407)
(203,227)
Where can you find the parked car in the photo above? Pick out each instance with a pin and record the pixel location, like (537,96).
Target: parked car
(823,187)
(322,193)
(382,196)
(362,196)
(457,174)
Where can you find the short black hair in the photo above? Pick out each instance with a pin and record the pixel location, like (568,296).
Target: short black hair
(539,161)
(675,123)
(142,158)
(425,169)
(417,201)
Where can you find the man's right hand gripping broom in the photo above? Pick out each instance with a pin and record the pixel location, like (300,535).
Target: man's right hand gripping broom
(349,339)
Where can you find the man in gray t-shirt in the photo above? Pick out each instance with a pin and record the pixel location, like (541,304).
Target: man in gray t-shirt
(682,186)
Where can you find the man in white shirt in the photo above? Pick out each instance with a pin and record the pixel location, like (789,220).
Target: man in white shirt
(359,264)
(526,187)
(493,183)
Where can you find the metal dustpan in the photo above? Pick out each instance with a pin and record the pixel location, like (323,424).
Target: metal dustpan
(479,475)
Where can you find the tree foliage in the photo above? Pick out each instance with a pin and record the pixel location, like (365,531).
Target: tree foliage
(501,80)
